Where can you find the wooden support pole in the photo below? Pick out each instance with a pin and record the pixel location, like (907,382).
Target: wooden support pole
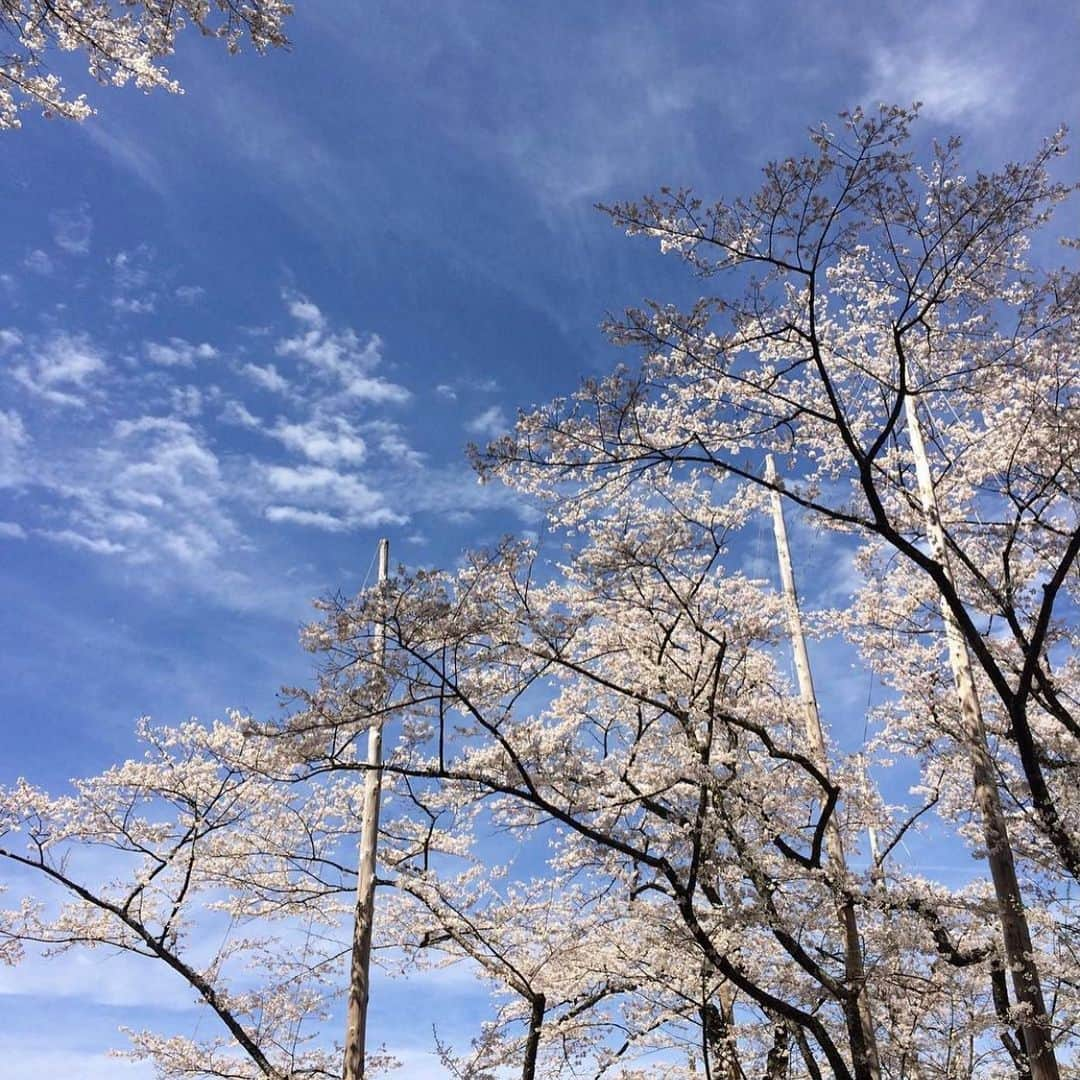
(1016,935)
(359,970)
(860,1022)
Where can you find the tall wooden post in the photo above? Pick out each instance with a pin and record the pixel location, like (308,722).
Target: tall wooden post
(359,971)
(861,1021)
(1016,935)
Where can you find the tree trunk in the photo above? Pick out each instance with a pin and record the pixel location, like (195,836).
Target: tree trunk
(538,1003)
(779,1056)
(718,1043)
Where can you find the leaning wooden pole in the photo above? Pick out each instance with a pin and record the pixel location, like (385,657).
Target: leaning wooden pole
(359,971)
(1034,1023)
(860,1017)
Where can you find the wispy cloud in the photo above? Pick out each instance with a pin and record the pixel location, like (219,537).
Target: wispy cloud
(959,64)
(132,282)
(134,305)
(491,423)
(129,153)
(61,368)
(614,109)
(343,359)
(49,1060)
(329,441)
(266,376)
(72,230)
(131,269)
(237,414)
(99,545)
(186,401)
(952,84)
(303,310)
(38,262)
(120,981)
(454,492)
(160,478)
(329,491)
(189,294)
(316,519)
(177,352)
(153,492)
(392,441)
(466,384)
(14,441)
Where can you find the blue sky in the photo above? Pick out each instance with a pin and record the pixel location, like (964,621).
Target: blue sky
(247,330)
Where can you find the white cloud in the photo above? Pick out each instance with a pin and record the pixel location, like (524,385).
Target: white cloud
(624,107)
(12,530)
(327,441)
(376,390)
(454,490)
(71,230)
(189,294)
(146,491)
(179,438)
(178,352)
(303,310)
(133,305)
(959,64)
(391,442)
(237,414)
(491,423)
(268,377)
(128,151)
(952,84)
(99,545)
(131,269)
(38,262)
(156,488)
(23,1062)
(13,441)
(447,391)
(12,429)
(329,491)
(131,272)
(150,491)
(186,400)
(140,481)
(9,338)
(344,358)
(308,479)
(317,519)
(69,359)
(60,367)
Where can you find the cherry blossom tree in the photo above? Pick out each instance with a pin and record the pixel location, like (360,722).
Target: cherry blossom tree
(884,320)
(538,944)
(631,700)
(121,43)
(888,337)
(618,709)
(192,860)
